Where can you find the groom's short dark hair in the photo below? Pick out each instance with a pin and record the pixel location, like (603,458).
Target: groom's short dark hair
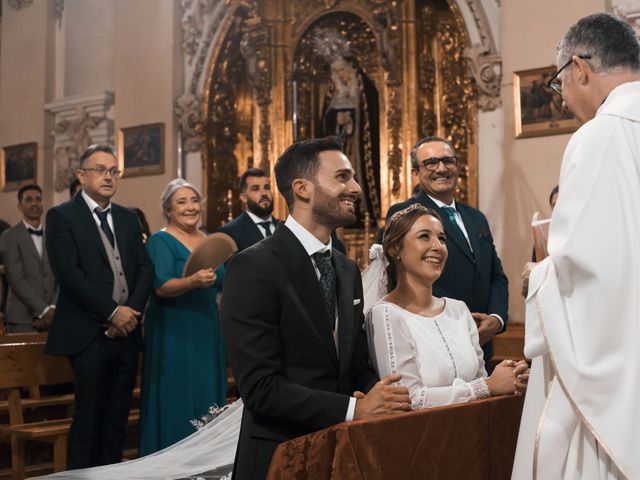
(300,160)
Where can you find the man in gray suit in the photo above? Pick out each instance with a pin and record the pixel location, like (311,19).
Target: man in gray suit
(32,286)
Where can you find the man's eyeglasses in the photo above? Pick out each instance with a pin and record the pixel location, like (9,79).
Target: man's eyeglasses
(556,85)
(432,163)
(101,171)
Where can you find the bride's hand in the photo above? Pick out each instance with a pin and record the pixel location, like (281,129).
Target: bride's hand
(502,380)
(521,373)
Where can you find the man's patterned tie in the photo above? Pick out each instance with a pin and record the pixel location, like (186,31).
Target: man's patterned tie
(328,284)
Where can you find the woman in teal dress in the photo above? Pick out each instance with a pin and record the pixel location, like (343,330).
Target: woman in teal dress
(184,361)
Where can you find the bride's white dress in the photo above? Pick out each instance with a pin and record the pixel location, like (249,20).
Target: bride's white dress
(439,357)
(206,454)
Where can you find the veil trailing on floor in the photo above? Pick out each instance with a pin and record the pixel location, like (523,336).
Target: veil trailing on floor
(206,454)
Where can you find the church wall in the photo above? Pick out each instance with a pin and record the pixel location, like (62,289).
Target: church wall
(148,79)
(129,48)
(530,166)
(24,84)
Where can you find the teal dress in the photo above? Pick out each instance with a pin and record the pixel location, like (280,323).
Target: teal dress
(184,360)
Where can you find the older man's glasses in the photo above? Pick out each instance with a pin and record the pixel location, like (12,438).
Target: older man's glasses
(432,163)
(555,84)
(102,172)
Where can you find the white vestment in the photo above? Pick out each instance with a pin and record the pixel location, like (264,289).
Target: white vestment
(580,418)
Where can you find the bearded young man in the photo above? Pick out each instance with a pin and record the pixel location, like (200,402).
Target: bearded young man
(256,222)
(580,418)
(292,316)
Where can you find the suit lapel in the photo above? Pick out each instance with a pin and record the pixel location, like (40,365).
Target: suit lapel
(28,241)
(303,285)
(345,279)
(250,229)
(86,217)
(453,232)
(471,227)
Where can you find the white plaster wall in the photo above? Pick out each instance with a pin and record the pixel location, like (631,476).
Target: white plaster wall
(148,77)
(25,83)
(90,46)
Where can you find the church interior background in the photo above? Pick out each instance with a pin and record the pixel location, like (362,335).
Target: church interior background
(234,82)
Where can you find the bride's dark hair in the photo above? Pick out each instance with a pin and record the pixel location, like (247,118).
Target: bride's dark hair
(395,230)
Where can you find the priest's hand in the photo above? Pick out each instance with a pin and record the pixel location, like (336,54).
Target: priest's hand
(525,277)
(382,399)
(488,326)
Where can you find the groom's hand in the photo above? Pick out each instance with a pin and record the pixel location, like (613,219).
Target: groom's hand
(383,399)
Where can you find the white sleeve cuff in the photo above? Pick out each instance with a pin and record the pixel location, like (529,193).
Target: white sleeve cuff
(46,309)
(351,410)
(500,319)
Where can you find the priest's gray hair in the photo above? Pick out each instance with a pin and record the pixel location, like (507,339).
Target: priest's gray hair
(611,43)
(167,195)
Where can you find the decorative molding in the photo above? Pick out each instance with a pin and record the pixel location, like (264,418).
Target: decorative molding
(486,69)
(80,121)
(201,24)
(59,11)
(188,112)
(629,11)
(20,4)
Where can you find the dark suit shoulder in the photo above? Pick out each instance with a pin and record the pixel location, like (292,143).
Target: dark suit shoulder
(400,206)
(472,212)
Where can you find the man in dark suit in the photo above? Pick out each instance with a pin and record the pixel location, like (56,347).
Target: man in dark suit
(105,275)
(256,222)
(473,272)
(32,286)
(296,345)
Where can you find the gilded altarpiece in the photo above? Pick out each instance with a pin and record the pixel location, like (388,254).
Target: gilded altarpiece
(273,78)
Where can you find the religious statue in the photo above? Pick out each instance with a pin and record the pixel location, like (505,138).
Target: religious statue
(350,112)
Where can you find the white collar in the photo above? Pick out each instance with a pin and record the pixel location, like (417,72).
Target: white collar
(256,219)
(92,203)
(442,204)
(309,241)
(28,226)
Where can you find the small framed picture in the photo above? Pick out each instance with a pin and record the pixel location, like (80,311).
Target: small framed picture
(141,149)
(18,166)
(538,110)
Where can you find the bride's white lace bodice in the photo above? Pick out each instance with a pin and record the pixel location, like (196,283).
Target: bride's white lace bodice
(439,357)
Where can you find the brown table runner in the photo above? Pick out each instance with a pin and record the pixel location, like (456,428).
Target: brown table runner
(475,440)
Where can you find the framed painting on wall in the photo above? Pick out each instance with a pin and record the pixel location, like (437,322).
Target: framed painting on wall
(141,149)
(538,110)
(18,165)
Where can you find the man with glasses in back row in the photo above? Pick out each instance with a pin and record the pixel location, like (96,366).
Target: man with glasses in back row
(473,272)
(96,253)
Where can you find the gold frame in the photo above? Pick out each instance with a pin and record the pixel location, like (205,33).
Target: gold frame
(558,124)
(156,168)
(8,186)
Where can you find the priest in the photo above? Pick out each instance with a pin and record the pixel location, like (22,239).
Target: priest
(580,418)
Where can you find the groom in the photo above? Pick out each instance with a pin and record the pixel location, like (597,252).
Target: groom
(296,346)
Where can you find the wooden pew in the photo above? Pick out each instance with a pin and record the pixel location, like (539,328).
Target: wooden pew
(24,364)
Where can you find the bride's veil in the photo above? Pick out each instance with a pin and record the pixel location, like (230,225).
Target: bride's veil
(374,277)
(206,454)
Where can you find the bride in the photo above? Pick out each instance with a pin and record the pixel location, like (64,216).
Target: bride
(432,342)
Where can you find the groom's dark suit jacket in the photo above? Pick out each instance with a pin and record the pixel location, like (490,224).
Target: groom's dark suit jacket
(281,347)
(475,277)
